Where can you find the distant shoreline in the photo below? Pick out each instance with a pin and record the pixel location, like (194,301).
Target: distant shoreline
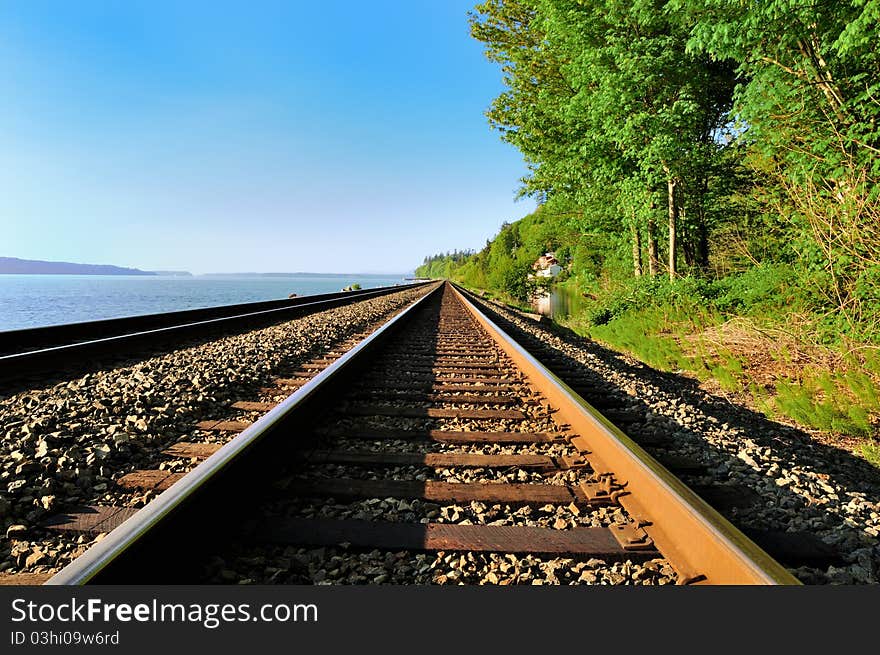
(16,266)
(303,274)
(222,276)
(39,300)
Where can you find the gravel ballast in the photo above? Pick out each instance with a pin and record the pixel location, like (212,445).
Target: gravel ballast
(64,445)
(802,484)
(261,563)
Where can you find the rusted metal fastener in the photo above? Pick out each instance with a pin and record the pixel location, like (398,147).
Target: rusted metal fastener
(632,536)
(605,490)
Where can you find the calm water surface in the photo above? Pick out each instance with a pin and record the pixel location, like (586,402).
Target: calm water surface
(35,300)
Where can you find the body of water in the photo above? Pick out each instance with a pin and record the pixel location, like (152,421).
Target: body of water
(565,301)
(559,303)
(36,300)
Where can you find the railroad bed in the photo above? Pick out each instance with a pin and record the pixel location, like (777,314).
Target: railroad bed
(30,355)
(435,450)
(65,443)
(22,340)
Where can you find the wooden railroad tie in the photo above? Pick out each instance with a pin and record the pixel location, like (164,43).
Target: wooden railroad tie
(442,460)
(192,450)
(148,479)
(460,362)
(446,436)
(796,548)
(444,492)
(406,381)
(254,406)
(89,519)
(289,382)
(430,412)
(222,426)
(421,396)
(16,579)
(596,542)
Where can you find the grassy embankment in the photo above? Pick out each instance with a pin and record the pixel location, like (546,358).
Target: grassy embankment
(749,336)
(752,337)
(710,183)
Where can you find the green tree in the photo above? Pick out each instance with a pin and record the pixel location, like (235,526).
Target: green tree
(607,107)
(808,104)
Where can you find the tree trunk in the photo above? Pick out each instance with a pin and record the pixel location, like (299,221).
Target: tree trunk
(823,78)
(686,242)
(683,232)
(702,243)
(671,183)
(636,248)
(653,259)
(702,226)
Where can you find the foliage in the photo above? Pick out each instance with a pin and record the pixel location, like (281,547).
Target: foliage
(809,101)
(748,129)
(871,452)
(738,142)
(506,261)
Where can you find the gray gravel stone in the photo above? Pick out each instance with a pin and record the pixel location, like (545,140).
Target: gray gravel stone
(803,484)
(65,444)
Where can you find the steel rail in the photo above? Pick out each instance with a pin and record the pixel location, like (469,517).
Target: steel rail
(699,543)
(124,536)
(35,338)
(59,357)
(696,539)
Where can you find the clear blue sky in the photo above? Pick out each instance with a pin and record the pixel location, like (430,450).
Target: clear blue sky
(322,136)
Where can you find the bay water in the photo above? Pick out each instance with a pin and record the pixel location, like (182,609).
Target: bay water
(37,300)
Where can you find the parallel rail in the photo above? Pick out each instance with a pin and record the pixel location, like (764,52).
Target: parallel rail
(700,544)
(40,351)
(691,533)
(174,501)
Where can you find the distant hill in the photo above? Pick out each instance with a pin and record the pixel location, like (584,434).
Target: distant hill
(37,267)
(172,273)
(302,274)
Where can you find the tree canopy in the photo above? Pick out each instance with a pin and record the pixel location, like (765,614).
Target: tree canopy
(692,137)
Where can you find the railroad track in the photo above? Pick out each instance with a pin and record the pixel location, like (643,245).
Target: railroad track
(435,449)
(794,548)
(34,353)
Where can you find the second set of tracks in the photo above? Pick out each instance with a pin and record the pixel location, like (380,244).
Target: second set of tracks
(436,434)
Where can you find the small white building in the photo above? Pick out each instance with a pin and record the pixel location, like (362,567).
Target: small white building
(547,266)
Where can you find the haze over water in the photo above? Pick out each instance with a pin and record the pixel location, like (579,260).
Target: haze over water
(36,300)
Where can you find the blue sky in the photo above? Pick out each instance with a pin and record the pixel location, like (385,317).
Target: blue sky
(256,136)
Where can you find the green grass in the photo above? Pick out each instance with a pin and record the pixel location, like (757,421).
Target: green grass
(639,334)
(862,387)
(665,334)
(727,380)
(819,403)
(839,402)
(871,452)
